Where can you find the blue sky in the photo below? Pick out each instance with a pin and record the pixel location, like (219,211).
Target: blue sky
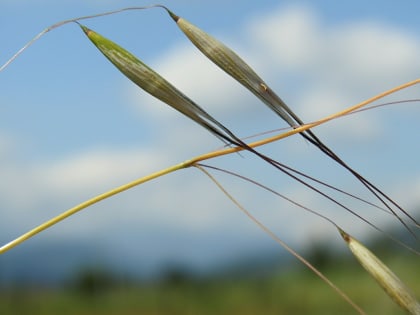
(71,126)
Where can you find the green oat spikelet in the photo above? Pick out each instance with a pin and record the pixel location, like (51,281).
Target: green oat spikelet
(392,285)
(153,83)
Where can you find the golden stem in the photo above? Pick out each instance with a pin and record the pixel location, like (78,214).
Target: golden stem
(190,162)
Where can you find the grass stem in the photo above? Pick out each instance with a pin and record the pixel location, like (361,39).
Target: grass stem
(88,203)
(191,162)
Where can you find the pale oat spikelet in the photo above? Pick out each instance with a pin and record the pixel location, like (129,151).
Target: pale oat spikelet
(235,66)
(392,285)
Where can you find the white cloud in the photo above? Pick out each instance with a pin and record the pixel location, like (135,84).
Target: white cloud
(30,188)
(332,66)
(97,168)
(369,52)
(288,38)
(361,52)
(6,145)
(338,65)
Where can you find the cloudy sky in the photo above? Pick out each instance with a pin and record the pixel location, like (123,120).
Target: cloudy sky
(72,127)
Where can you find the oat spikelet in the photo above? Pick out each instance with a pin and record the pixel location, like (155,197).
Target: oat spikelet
(392,285)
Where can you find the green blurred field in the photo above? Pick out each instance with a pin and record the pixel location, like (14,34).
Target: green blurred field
(292,291)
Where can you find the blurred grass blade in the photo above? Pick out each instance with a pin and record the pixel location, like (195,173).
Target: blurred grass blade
(151,82)
(236,67)
(392,285)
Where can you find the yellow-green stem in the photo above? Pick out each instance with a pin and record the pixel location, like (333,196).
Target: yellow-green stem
(88,203)
(190,162)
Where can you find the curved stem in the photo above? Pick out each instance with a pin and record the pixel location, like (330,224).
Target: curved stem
(88,203)
(191,162)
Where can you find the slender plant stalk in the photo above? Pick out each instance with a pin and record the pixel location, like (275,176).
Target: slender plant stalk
(88,203)
(191,162)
